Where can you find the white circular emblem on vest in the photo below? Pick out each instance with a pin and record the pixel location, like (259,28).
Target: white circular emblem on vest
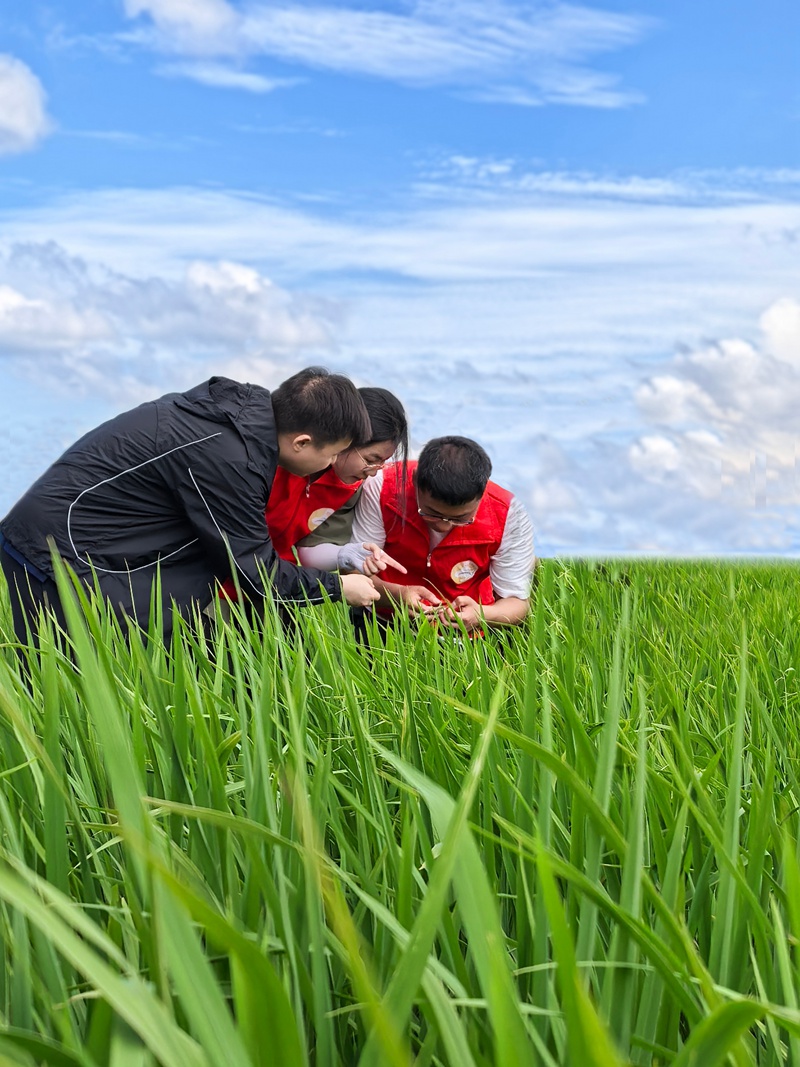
(463,571)
(316,518)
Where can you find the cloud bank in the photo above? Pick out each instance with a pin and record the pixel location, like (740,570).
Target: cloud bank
(725,417)
(84,327)
(630,362)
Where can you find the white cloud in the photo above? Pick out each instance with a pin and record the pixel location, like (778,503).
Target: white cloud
(23,114)
(218,76)
(81,325)
(780,325)
(191,25)
(653,453)
(43,325)
(498,51)
(727,417)
(472,177)
(376,43)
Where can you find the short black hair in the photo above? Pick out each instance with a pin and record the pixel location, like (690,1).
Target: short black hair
(454,470)
(326,406)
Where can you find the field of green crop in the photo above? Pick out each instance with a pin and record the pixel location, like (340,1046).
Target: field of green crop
(576,843)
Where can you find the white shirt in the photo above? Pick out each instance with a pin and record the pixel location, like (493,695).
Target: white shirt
(509,568)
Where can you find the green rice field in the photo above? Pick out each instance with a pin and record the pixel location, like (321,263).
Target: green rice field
(576,843)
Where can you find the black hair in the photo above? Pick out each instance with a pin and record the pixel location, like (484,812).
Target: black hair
(454,470)
(389,423)
(387,419)
(326,406)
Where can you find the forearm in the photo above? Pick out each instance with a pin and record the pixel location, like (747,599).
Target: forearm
(508,611)
(227,518)
(288,581)
(391,594)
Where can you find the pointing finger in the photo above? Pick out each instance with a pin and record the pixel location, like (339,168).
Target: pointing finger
(388,561)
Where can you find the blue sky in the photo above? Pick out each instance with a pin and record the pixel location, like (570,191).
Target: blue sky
(569,230)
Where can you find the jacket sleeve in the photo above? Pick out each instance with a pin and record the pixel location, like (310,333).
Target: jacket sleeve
(224,500)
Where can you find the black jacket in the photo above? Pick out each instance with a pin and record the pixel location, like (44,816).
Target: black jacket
(177,482)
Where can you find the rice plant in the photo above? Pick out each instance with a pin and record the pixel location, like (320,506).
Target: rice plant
(573,843)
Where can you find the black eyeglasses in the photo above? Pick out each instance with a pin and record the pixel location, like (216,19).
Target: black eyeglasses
(444,518)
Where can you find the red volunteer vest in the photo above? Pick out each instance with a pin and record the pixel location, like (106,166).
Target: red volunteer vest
(459,565)
(296,507)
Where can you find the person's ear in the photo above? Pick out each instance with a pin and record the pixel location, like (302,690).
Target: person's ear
(300,441)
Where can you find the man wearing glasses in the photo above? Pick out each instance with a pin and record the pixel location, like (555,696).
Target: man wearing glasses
(466,543)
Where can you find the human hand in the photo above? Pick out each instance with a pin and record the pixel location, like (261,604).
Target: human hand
(420,601)
(366,559)
(378,560)
(463,611)
(358,590)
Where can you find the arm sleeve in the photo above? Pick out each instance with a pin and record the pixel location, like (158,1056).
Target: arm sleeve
(324,557)
(368,522)
(511,566)
(347,559)
(224,502)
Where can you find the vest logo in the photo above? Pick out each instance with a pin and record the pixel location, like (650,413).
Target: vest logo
(463,571)
(316,518)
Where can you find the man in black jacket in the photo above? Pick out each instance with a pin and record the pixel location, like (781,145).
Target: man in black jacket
(179,486)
